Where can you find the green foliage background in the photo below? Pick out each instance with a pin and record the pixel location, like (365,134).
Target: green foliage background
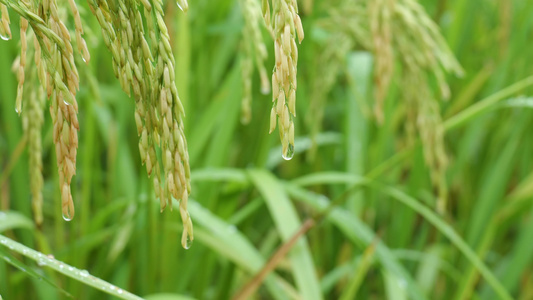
(383,242)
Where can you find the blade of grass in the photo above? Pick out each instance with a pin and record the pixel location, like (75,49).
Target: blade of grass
(428,214)
(360,272)
(74,273)
(286,220)
(10,259)
(11,220)
(250,288)
(358,232)
(164,296)
(394,287)
(486,104)
(359,70)
(226,240)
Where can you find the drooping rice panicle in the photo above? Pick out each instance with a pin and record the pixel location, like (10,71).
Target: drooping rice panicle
(61,87)
(22,64)
(402,33)
(82,45)
(254,47)
(32,121)
(424,52)
(173,142)
(144,63)
(5,31)
(59,77)
(380,17)
(285,26)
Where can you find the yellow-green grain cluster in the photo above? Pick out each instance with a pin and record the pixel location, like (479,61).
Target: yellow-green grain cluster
(254,48)
(32,120)
(144,64)
(328,64)
(285,25)
(380,16)
(61,86)
(427,119)
(22,63)
(399,33)
(5,31)
(80,42)
(59,77)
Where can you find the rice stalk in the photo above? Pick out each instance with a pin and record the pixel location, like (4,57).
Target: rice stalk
(346,29)
(254,47)
(423,52)
(402,33)
(285,25)
(330,62)
(59,77)
(32,121)
(143,62)
(380,14)
(425,109)
(64,114)
(22,63)
(5,31)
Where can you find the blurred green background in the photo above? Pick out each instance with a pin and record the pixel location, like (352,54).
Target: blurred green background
(383,240)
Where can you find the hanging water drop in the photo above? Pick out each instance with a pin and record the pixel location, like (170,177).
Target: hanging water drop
(290,152)
(67,217)
(5,37)
(188,243)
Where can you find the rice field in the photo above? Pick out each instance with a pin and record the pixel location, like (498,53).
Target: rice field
(273,149)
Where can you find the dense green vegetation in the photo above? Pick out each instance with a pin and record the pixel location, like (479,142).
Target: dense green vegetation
(426,198)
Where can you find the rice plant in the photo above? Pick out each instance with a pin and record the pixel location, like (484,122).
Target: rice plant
(402,168)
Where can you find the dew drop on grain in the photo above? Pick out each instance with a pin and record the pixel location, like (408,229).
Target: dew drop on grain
(67,217)
(289,154)
(188,244)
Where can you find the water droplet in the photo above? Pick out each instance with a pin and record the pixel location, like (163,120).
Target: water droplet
(119,291)
(289,154)
(84,273)
(70,269)
(41,262)
(5,37)
(67,217)
(50,256)
(83,58)
(188,243)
